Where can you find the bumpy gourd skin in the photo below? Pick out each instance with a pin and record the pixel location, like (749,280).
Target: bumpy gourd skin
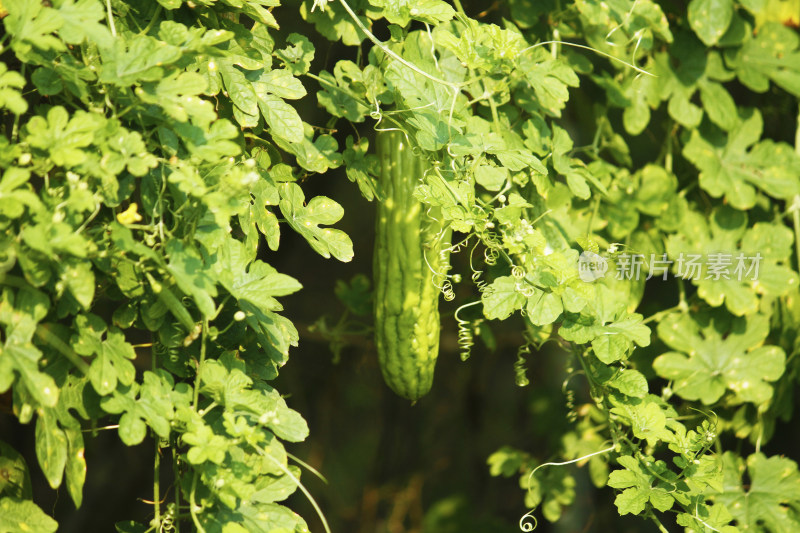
(406,298)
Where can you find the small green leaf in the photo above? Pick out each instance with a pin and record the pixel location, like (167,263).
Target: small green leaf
(15,480)
(490,177)
(51,447)
(502,298)
(630,382)
(297,57)
(710,19)
(719,105)
(24,516)
(282,119)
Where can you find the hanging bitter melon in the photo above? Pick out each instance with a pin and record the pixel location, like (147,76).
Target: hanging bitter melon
(408,249)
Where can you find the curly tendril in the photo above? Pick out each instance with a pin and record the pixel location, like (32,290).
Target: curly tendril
(525,525)
(447,290)
(528,522)
(521,366)
(490,256)
(466,335)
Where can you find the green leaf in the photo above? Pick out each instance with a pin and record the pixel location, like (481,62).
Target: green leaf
(16,191)
(179,95)
(710,19)
(683,110)
(502,298)
(543,307)
(612,330)
(253,517)
(150,403)
(62,136)
(306,220)
(255,282)
(733,271)
(20,314)
(112,364)
(630,382)
(297,57)
(81,22)
(767,500)
(719,105)
(275,489)
(550,80)
(75,469)
(10,95)
(31,24)
(334,23)
(79,279)
(490,177)
(265,194)
(402,12)
(281,83)
(313,155)
(24,516)
(716,354)
(192,276)
(51,447)
(240,89)
(646,419)
(727,168)
(771,56)
(15,480)
(138,58)
(361,167)
(641,486)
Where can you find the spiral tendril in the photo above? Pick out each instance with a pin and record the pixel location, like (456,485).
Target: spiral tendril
(466,335)
(447,290)
(490,256)
(521,366)
(528,522)
(569,394)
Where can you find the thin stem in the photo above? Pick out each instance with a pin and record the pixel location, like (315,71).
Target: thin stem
(192,510)
(307,467)
(299,485)
(796,223)
(156,481)
(176,470)
(55,342)
(203,343)
(796,200)
(595,209)
(157,458)
(152,22)
(111,19)
(571,461)
(15,126)
(668,155)
(658,523)
(682,296)
(657,316)
(598,52)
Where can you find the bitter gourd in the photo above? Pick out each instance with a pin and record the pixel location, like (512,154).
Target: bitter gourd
(406,297)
